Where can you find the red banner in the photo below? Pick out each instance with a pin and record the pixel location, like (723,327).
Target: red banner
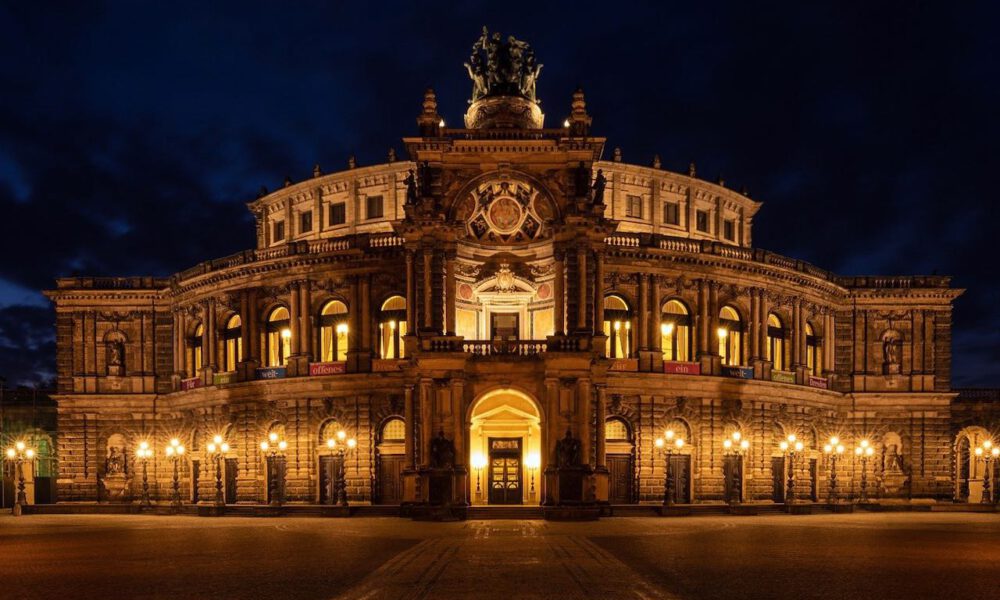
(682,368)
(327,368)
(818,382)
(190,384)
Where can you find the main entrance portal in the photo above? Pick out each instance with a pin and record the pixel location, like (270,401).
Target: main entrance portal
(505,445)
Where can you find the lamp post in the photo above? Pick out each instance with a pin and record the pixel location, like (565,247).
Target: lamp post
(144,453)
(533,461)
(666,445)
(218,448)
(273,447)
(341,444)
(864,450)
(736,446)
(987,453)
(833,449)
(175,452)
(478,463)
(789,447)
(19,453)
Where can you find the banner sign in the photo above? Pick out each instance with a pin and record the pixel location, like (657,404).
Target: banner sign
(818,382)
(381,365)
(224,378)
(272,373)
(783,376)
(624,364)
(190,384)
(327,368)
(682,368)
(740,372)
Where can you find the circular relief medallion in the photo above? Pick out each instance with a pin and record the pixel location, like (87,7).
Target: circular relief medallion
(465,291)
(505,214)
(544,291)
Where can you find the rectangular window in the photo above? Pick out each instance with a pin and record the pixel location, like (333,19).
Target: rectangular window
(279,231)
(671,213)
(374,206)
(306,222)
(701,220)
(729,230)
(633,206)
(338,213)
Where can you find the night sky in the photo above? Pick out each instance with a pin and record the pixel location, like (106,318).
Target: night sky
(132,134)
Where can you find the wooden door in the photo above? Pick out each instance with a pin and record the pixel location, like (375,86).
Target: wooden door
(195,479)
(276,471)
(964,469)
(732,468)
(390,478)
(328,466)
(814,480)
(232,470)
(620,478)
(778,478)
(505,471)
(680,469)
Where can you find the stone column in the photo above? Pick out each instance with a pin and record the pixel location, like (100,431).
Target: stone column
(365,352)
(585,419)
(450,290)
(305,326)
(428,300)
(655,314)
(208,343)
(426,419)
(410,429)
(411,294)
(458,421)
(602,409)
(353,325)
(643,312)
(829,345)
(795,327)
(293,316)
(598,293)
(581,300)
(559,294)
(754,324)
(702,318)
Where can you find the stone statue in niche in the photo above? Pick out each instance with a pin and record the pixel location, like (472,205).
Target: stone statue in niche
(116,357)
(116,462)
(892,345)
(568,451)
(411,187)
(442,452)
(600,182)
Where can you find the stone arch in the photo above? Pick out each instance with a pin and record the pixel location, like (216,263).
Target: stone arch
(515,419)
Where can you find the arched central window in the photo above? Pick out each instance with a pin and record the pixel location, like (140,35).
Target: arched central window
(392,327)
(333,331)
(730,334)
(775,342)
(278,337)
(617,327)
(194,358)
(393,431)
(675,331)
(814,356)
(232,340)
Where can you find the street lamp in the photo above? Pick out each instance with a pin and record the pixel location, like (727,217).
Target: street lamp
(478,463)
(144,453)
(666,445)
(341,444)
(218,448)
(789,447)
(273,447)
(736,446)
(175,452)
(833,449)
(533,461)
(18,454)
(987,453)
(864,450)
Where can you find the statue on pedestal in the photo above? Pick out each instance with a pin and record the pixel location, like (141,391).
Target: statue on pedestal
(442,452)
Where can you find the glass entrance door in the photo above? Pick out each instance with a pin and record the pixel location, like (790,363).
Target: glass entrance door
(505,471)
(504,326)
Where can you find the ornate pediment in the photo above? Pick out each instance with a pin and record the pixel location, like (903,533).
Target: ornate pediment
(505,211)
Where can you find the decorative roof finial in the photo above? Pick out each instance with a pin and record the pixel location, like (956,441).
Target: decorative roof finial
(692,170)
(316,170)
(722,180)
(579,120)
(392,155)
(499,67)
(429,120)
(618,155)
(288,181)
(262,191)
(656,161)
(352,162)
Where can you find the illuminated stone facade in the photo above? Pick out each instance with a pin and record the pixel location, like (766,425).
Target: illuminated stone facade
(506,287)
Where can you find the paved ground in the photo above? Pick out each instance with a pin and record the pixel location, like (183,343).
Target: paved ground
(881,556)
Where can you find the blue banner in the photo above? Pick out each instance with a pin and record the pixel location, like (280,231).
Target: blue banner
(740,372)
(272,373)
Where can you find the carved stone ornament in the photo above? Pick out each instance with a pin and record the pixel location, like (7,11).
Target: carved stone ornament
(505,211)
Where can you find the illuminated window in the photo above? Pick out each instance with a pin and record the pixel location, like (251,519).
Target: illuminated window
(730,334)
(278,337)
(633,206)
(392,327)
(338,213)
(394,430)
(333,331)
(675,331)
(775,342)
(617,327)
(232,339)
(616,430)
(814,352)
(194,354)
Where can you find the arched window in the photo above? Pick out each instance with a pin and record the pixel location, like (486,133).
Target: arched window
(394,430)
(333,331)
(814,354)
(232,340)
(278,337)
(730,334)
(617,327)
(392,327)
(675,331)
(194,354)
(616,430)
(775,342)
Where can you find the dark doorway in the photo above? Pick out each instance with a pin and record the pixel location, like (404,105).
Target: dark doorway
(814,480)
(505,471)
(680,470)
(232,469)
(195,479)
(778,478)
(620,478)
(7,491)
(276,471)
(390,478)
(963,469)
(732,469)
(328,467)
(504,326)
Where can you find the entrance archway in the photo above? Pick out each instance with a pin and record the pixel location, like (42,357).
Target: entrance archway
(505,449)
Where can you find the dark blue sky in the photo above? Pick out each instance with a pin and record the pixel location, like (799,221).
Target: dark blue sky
(132,134)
